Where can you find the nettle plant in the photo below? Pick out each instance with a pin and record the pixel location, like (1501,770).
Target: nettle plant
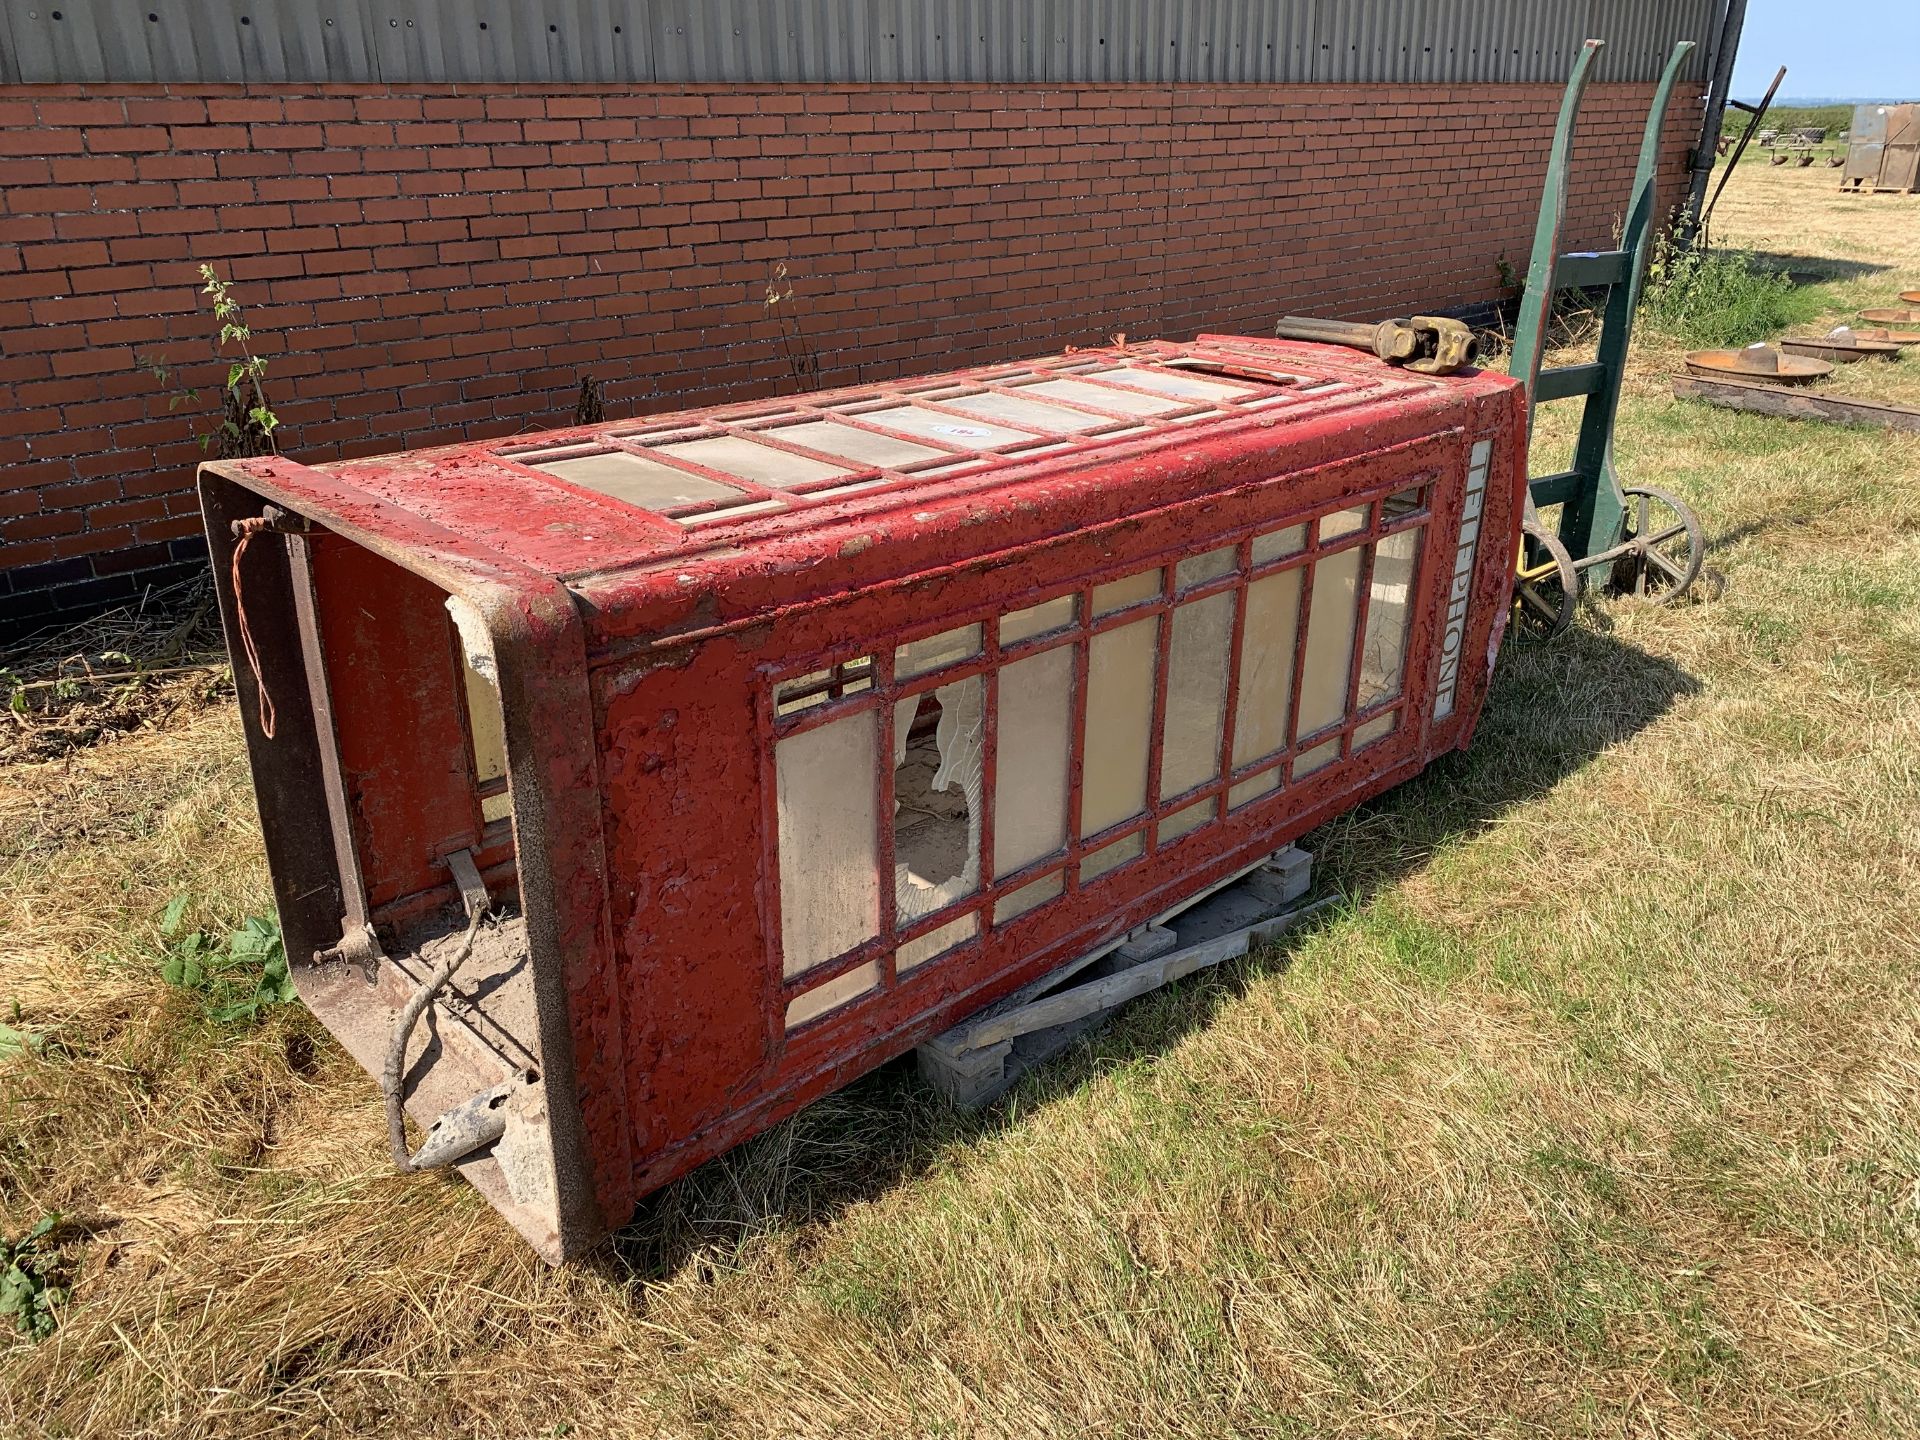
(247,422)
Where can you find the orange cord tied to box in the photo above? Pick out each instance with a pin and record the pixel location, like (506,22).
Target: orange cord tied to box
(244,531)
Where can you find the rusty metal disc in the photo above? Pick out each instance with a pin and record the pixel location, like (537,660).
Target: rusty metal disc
(1912,297)
(1761,364)
(1891,315)
(1842,350)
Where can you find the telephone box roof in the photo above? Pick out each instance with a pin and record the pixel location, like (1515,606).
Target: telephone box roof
(694,485)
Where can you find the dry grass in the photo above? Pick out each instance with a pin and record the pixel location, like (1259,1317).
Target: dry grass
(1594,1113)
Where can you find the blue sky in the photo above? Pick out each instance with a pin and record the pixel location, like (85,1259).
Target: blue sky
(1866,48)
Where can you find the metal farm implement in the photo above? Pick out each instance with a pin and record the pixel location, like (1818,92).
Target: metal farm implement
(1642,539)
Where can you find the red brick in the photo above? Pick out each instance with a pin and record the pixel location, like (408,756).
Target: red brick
(116,140)
(437,262)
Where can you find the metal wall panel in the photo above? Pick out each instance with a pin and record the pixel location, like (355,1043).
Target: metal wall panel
(802,41)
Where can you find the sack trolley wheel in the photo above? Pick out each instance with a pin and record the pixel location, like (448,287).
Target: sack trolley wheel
(1660,555)
(1545,584)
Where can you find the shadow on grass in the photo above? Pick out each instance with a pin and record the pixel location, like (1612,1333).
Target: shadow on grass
(1816,269)
(1555,707)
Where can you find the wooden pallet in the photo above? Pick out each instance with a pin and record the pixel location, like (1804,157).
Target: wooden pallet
(983,1056)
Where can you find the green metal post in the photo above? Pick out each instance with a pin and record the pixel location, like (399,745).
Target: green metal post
(1594,519)
(1536,305)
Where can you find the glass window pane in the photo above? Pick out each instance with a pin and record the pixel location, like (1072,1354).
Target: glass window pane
(1030,768)
(1173,382)
(1182,822)
(1375,728)
(1020,410)
(638,480)
(1266,667)
(1198,569)
(1383,657)
(935,942)
(1323,683)
(1318,758)
(948,430)
(1041,619)
(1278,543)
(1123,402)
(1119,594)
(1108,857)
(829,865)
(1025,898)
(949,647)
(1265,783)
(1345,522)
(751,460)
(732,512)
(937,779)
(832,995)
(1196,693)
(1403,502)
(1120,665)
(862,446)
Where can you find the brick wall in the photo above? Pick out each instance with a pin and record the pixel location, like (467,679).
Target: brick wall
(430,264)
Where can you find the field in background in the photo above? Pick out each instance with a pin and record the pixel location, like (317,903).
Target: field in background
(1595,1112)
(1831,118)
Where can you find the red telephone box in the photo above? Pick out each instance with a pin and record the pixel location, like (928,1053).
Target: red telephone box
(785,735)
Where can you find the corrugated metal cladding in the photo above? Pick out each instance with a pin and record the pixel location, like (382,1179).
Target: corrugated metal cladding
(696,41)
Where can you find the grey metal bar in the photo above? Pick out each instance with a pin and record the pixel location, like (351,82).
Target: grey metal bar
(834,41)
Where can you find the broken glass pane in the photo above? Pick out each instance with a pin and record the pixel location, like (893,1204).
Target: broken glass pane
(1404,502)
(937,780)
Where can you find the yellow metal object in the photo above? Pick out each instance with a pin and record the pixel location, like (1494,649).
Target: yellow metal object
(1445,345)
